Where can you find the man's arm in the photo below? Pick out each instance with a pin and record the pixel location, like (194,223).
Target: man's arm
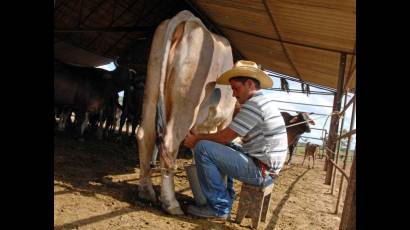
(224,136)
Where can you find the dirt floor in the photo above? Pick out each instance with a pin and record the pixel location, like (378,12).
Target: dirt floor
(95,187)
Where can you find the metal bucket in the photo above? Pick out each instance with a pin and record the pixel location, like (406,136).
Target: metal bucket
(195,187)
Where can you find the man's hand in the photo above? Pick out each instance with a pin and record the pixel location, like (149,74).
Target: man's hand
(190,140)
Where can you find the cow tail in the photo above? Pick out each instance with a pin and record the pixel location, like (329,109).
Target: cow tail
(161,112)
(160,128)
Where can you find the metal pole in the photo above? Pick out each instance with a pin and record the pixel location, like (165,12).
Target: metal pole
(334,123)
(338,147)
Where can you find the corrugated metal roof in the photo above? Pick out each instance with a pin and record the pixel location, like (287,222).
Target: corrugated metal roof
(299,38)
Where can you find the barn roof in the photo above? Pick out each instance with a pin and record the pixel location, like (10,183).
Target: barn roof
(312,40)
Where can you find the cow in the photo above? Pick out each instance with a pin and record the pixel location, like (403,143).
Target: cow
(132,103)
(109,112)
(295,127)
(310,151)
(84,90)
(180,94)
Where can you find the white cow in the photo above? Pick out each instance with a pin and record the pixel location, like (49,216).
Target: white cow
(180,94)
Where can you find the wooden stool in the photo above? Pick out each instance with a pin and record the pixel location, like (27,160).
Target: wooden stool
(254,203)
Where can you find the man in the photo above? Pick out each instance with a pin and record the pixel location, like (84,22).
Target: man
(264,137)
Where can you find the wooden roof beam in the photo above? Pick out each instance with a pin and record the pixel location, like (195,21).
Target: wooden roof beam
(117,29)
(92,11)
(150,30)
(280,40)
(112,22)
(289,42)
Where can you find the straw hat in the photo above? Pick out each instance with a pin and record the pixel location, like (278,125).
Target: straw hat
(244,68)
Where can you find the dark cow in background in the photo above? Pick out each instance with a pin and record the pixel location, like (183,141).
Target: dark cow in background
(295,130)
(132,103)
(310,151)
(109,114)
(84,90)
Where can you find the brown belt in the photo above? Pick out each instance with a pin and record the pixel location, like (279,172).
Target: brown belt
(263,168)
(261,165)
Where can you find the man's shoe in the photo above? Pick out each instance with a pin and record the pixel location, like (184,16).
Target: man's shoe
(205,212)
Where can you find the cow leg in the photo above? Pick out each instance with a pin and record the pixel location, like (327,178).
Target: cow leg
(154,157)
(127,126)
(304,159)
(122,121)
(146,142)
(134,125)
(83,126)
(108,127)
(291,148)
(100,126)
(60,118)
(168,200)
(313,160)
(60,124)
(63,119)
(113,126)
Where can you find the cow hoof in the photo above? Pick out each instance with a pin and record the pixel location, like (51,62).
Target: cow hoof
(147,194)
(173,211)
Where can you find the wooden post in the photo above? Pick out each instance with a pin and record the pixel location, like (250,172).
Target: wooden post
(353,117)
(323,153)
(334,122)
(348,220)
(338,147)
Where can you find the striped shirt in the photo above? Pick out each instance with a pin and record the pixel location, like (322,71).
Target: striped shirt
(263,131)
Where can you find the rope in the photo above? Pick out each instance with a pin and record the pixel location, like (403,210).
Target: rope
(312,113)
(296,124)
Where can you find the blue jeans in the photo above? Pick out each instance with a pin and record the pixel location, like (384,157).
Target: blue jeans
(213,161)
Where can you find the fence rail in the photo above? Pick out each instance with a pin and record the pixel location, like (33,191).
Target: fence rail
(299,103)
(297,111)
(348,134)
(337,166)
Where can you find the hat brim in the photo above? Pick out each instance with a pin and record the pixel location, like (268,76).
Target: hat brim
(264,80)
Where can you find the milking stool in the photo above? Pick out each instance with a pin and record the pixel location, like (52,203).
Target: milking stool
(254,202)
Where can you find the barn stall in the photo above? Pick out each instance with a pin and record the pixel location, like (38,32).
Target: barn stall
(311,42)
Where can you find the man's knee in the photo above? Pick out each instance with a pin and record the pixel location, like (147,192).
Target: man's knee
(202,148)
